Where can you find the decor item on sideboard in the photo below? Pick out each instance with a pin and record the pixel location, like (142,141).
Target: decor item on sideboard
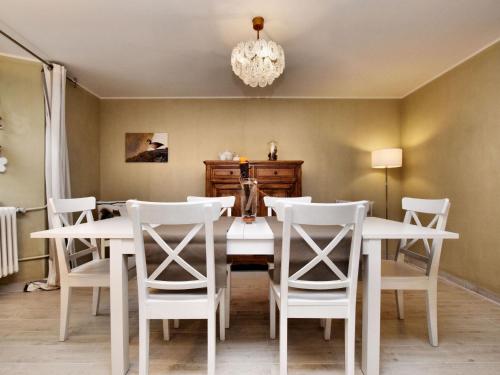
(226,155)
(249,192)
(146,147)
(260,62)
(273,150)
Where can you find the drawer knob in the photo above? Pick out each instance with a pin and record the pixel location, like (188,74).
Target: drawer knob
(231,172)
(275,173)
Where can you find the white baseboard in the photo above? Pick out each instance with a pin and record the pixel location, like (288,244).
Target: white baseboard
(462,283)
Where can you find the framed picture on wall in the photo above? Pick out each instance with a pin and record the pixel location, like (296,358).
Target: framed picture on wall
(146,147)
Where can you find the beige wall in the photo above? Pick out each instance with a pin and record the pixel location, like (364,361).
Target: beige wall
(333,137)
(451,139)
(22,140)
(22,185)
(82,126)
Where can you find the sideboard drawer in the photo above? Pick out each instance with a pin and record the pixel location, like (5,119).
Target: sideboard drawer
(287,173)
(225,173)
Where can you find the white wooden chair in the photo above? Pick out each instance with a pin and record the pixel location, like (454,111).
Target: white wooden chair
(270,202)
(170,299)
(272,205)
(333,299)
(111,207)
(398,275)
(227,204)
(369,205)
(94,273)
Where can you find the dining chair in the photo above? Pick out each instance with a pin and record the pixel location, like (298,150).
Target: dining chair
(112,207)
(399,275)
(161,294)
(93,273)
(335,298)
(369,205)
(227,203)
(270,202)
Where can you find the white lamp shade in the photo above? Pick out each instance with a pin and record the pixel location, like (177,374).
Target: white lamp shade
(387,158)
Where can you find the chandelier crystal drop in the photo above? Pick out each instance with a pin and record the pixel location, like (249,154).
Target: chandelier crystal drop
(259,62)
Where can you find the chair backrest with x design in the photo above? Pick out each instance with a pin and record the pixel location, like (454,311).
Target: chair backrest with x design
(226,202)
(432,251)
(271,202)
(348,217)
(146,216)
(59,211)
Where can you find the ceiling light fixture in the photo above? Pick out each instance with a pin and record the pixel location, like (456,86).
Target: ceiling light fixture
(259,62)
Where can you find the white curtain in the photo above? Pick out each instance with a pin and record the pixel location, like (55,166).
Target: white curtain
(57,179)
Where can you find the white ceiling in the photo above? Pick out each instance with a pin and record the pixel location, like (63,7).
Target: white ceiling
(181,48)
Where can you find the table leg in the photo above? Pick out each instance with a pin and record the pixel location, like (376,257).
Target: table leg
(119,308)
(370,358)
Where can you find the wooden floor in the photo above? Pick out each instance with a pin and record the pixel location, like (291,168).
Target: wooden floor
(469,332)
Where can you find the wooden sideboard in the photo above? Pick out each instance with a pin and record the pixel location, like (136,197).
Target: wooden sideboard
(281,178)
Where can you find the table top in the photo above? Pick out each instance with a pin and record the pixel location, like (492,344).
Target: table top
(116,227)
(259,230)
(374,228)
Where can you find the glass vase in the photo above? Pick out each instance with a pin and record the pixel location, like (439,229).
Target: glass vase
(249,199)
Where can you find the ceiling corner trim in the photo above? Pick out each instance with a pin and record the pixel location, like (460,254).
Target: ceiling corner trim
(465,59)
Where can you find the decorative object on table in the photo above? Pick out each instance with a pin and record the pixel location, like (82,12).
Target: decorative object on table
(387,158)
(146,147)
(3,162)
(236,157)
(273,150)
(260,62)
(226,155)
(249,193)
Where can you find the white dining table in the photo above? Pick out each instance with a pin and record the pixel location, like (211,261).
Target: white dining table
(119,231)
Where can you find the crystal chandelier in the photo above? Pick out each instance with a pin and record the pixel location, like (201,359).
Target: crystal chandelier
(259,62)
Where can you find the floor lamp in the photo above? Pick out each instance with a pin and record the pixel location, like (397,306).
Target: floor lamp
(387,158)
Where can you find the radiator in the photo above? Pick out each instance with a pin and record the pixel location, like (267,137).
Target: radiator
(8,241)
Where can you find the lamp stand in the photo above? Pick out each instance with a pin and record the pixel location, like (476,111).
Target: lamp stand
(386,211)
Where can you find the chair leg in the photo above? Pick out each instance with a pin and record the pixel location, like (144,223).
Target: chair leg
(272,315)
(211,342)
(64,319)
(328,329)
(432,325)
(144,346)
(176,323)
(103,248)
(166,330)
(283,343)
(222,318)
(227,291)
(350,334)
(400,304)
(96,297)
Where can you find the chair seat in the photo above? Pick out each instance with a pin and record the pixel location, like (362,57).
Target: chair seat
(391,268)
(179,295)
(399,275)
(93,267)
(93,273)
(300,297)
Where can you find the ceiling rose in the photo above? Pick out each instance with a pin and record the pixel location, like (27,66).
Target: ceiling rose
(259,62)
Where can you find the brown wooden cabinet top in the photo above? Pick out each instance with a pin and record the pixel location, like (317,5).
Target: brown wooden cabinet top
(276,162)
